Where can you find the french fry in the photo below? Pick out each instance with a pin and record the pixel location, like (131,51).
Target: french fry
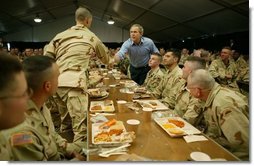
(108,123)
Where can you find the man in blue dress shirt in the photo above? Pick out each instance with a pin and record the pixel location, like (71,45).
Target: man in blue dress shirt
(139,49)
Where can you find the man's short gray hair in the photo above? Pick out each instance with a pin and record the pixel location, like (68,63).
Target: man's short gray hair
(202,78)
(82,13)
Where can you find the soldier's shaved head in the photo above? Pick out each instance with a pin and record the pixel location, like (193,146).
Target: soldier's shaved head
(82,13)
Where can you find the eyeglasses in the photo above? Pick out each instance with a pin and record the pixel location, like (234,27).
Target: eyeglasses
(28,93)
(189,88)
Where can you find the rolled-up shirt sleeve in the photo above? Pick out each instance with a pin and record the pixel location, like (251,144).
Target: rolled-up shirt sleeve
(123,50)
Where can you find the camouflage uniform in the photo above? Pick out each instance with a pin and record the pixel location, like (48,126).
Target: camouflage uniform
(243,69)
(36,139)
(241,63)
(153,79)
(94,80)
(27,145)
(53,106)
(166,89)
(124,65)
(72,50)
(5,149)
(218,70)
(227,118)
(243,74)
(187,106)
(183,59)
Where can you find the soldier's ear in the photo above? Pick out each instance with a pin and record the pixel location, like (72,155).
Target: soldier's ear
(198,92)
(47,86)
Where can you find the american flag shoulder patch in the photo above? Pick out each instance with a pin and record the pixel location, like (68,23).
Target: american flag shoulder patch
(21,138)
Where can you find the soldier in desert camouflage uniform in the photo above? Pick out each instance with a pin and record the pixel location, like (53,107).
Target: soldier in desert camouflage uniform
(224,70)
(124,65)
(13,100)
(241,65)
(165,91)
(36,139)
(226,113)
(155,75)
(187,106)
(72,50)
(184,56)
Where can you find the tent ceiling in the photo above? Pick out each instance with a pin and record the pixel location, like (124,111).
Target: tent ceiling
(163,20)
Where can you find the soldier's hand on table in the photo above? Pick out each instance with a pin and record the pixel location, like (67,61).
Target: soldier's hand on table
(79,156)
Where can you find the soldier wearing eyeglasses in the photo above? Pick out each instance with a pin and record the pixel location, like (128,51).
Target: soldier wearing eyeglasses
(226,113)
(13,100)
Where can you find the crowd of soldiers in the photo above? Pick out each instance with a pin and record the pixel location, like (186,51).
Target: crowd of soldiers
(226,98)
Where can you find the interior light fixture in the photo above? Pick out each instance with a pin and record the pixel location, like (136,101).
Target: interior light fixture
(111,21)
(37,19)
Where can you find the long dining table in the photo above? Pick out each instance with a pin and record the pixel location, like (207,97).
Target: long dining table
(151,141)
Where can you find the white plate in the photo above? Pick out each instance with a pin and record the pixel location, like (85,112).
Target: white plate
(104,108)
(99,93)
(200,156)
(147,103)
(126,90)
(101,98)
(187,128)
(96,130)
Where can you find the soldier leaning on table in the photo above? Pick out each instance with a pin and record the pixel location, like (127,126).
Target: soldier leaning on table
(72,50)
(226,113)
(187,106)
(13,100)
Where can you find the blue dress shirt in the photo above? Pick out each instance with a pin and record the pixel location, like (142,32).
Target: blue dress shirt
(139,53)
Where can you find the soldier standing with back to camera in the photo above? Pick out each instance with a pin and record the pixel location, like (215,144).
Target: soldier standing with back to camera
(72,50)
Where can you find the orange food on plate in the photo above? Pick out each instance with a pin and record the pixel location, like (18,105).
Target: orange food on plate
(178,123)
(115,131)
(102,137)
(168,126)
(96,107)
(108,123)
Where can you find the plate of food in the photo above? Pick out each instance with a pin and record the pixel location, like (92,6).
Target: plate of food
(111,132)
(176,126)
(94,73)
(154,104)
(97,93)
(126,90)
(102,106)
(141,90)
(141,96)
